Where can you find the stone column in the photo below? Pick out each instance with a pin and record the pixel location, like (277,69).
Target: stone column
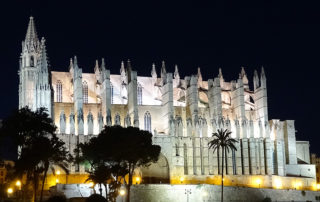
(268,144)
(261,156)
(252,154)
(132,97)
(290,142)
(167,104)
(245,156)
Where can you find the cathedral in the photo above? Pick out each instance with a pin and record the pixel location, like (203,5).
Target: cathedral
(181,113)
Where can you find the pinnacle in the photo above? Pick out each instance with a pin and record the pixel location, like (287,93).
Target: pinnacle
(31,31)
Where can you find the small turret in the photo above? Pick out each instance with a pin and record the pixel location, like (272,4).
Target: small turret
(96,67)
(176,72)
(244,78)
(199,78)
(123,73)
(176,77)
(153,71)
(221,78)
(129,70)
(263,78)
(256,81)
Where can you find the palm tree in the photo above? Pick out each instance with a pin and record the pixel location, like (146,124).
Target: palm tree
(223,140)
(100,175)
(53,153)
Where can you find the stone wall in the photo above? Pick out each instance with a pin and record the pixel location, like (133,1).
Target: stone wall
(201,193)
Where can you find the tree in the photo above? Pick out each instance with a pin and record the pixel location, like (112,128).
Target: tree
(33,134)
(122,150)
(53,153)
(223,140)
(100,175)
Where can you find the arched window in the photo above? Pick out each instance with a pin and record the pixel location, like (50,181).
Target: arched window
(185,159)
(139,94)
(111,92)
(117,120)
(59,91)
(234,162)
(177,150)
(31,61)
(85,92)
(147,122)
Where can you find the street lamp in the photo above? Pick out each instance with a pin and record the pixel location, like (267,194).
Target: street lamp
(138,179)
(122,193)
(9,191)
(187,192)
(181,179)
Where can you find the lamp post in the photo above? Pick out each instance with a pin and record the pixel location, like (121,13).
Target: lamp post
(9,191)
(181,179)
(187,192)
(18,184)
(122,193)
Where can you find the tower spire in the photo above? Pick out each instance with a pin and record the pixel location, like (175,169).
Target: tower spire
(43,62)
(31,32)
(176,72)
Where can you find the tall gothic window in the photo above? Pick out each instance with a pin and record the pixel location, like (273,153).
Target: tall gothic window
(85,92)
(112,93)
(234,162)
(139,94)
(147,122)
(185,159)
(31,61)
(59,91)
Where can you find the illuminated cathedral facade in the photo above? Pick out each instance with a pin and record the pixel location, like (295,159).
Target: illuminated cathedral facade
(181,113)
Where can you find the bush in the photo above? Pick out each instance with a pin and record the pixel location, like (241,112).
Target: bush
(57,199)
(267,199)
(96,198)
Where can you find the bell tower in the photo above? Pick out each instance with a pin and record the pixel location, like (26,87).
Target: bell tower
(34,77)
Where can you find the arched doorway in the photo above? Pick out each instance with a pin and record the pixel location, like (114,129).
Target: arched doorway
(156,173)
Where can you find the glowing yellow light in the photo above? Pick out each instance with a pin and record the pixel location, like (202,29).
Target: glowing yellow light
(138,179)
(10,190)
(258,181)
(277,183)
(222,179)
(57,180)
(58,172)
(122,192)
(18,183)
(318,186)
(181,179)
(91,184)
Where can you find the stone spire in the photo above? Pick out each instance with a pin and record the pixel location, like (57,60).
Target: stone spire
(129,69)
(163,70)
(220,73)
(43,62)
(163,73)
(103,65)
(96,67)
(122,69)
(244,77)
(263,78)
(153,71)
(176,72)
(123,73)
(256,81)
(199,77)
(31,35)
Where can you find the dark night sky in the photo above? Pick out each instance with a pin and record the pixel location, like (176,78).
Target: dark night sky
(283,37)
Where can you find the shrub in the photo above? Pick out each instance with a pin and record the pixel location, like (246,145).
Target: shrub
(57,199)
(96,198)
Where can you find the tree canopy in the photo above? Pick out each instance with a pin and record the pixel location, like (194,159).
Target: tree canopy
(122,149)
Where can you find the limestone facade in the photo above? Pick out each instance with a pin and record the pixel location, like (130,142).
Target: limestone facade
(181,113)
